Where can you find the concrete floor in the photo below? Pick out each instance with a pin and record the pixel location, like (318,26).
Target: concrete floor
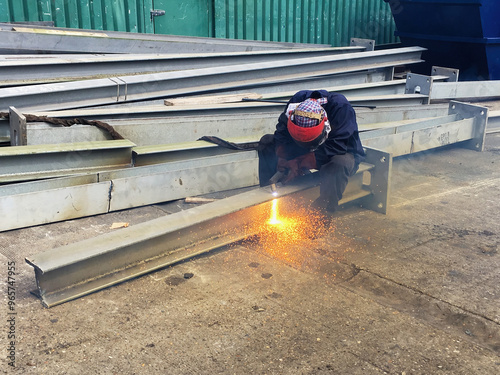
(413,292)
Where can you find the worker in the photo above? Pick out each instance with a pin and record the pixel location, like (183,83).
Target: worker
(317,130)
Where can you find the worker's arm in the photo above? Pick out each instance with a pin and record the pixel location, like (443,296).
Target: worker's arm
(343,137)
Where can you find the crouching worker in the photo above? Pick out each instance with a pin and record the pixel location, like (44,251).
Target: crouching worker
(317,130)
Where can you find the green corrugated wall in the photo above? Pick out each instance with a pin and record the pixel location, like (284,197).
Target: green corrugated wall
(303,21)
(332,22)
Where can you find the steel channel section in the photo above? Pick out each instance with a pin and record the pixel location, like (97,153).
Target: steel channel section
(81,268)
(104,91)
(18,69)
(21,163)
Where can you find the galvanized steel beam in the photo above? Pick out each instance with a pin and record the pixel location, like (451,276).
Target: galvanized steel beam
(22,163)
(145,185)
(27,39)
(24,69)
(183,125)
(147,86)
(78,269)
(466,123)
(59,199)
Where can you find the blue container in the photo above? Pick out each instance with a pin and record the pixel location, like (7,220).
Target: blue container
(462,34)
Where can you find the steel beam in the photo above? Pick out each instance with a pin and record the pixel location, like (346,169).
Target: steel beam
(466,123)
(59,199)
(22,163)
(26,39)
(493,122)
(179,126)
(147,86)
(145,185)
(465,90)
(30,69)
(78,269)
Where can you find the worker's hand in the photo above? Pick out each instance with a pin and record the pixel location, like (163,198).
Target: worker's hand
(296,167)
(307,161)
(289,167)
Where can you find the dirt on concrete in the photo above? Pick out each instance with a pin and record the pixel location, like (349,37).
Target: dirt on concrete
(415,291)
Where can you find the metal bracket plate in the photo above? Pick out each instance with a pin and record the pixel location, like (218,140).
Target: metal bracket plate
(17,123)
(480,116)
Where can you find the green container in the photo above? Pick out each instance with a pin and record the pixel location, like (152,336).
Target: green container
(332,22)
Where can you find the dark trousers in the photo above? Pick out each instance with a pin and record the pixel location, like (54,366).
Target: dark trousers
(334,174)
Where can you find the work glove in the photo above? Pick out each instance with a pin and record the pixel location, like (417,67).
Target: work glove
(296,167)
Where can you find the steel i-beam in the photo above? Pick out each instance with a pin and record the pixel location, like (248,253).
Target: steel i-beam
(77,269)
(147,86)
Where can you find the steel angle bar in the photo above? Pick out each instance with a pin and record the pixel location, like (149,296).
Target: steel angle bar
(147,86)
(22,163)
(29,69)
(77,269)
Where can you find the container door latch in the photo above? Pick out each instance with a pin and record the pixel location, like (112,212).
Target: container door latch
(156,13)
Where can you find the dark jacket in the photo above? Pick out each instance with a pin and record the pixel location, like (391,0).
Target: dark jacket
(343,137)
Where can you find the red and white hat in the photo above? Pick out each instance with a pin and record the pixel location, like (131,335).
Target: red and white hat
(306,122)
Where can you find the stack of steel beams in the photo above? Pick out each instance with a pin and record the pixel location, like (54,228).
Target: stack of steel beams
(49,172)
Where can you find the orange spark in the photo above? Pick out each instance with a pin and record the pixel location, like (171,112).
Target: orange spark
(273,220)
